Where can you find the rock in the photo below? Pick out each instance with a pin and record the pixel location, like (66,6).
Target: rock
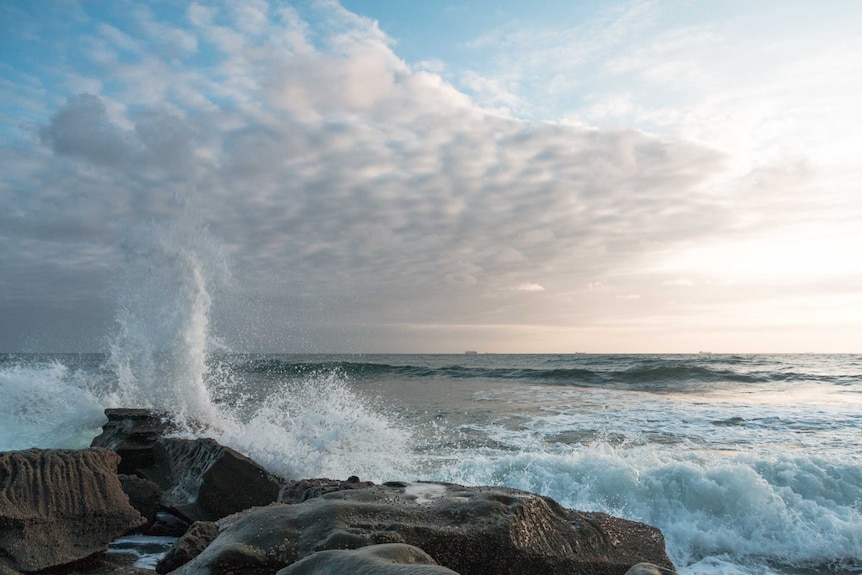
(100,564)
(205,481)
(168,525)
(305,489)
(59,506)
(384,559)
(201,480)
(473,531)
(132,433)
(144,496)
(189,546)
(649,569)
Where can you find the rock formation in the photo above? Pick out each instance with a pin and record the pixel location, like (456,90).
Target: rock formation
(59,509)
(205,481)
(473,531)
(133,433)
(60,506)
(189,546)
(384,559)
(144,495)
(201,479)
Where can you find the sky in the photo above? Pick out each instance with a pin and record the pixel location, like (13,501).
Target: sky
(432,177)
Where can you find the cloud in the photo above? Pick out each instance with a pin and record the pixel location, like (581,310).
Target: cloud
(82,128)
(349,189)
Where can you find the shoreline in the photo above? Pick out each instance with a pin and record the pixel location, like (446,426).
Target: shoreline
(220,498)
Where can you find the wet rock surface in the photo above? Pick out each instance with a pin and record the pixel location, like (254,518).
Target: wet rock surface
(201,480)
(133,433)
(205,481)
(189,546)
(476,530)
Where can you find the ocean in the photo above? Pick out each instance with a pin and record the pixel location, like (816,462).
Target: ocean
(749,464)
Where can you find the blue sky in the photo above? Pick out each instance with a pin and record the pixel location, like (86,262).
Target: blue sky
(394,176)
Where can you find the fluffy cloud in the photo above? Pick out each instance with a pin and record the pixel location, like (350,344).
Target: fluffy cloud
(353,195)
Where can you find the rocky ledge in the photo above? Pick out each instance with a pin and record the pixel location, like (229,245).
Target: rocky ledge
(60,509)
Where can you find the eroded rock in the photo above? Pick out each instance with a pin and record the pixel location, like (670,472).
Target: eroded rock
(305,489)
(649,569)
(201,480)
(144,496)
(59,506)
(473,531)
(189,546)
(384,559)
(205,481)
(133,433)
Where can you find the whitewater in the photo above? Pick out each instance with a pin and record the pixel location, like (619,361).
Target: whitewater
(749,464)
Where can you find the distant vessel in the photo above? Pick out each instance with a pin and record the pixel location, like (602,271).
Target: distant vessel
(705,352)
(470,352)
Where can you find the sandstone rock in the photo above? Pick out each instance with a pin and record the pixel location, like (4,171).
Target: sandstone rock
(384,559)
(305,489)
(144,496)
(58,506)
(189,546)
(201,480)
(649,569)
(205,481)
(132,433)
(168,525)
(473,531)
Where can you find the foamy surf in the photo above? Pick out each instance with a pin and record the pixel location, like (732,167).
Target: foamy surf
(717,513)
(317,426)
(46,404)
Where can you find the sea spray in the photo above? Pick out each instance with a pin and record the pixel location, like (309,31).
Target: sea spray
(317,426)
(773,513)
(162,355)
(159,351)
(46,404)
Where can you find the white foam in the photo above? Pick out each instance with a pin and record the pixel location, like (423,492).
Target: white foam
(319,427)
(312,428)
(714,511)
(147,549)
(45,404)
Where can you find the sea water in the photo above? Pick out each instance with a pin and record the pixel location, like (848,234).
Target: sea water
(749,464)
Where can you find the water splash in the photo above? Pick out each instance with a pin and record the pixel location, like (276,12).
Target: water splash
(159,352)
(161,355)
(317,426)
(46,404)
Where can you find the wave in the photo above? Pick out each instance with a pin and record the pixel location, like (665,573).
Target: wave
(657,375)
(46,404)
(781,514)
